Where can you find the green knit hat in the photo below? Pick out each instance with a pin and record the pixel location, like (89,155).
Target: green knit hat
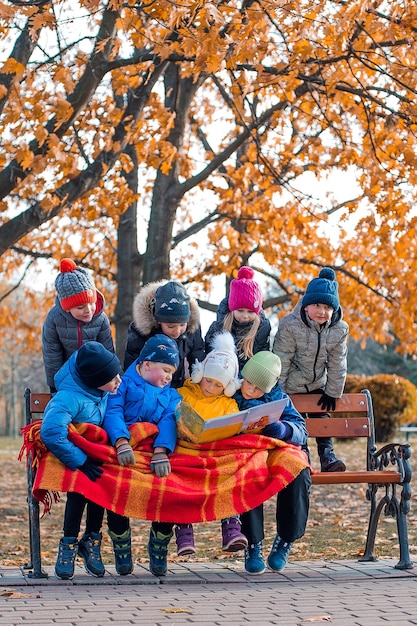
(263,370)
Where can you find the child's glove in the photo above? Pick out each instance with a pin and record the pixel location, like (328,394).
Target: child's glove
(278,430)
(125,454)
(327,403)
(160,464)
(91,469)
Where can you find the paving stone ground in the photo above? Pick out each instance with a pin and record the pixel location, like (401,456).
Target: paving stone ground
(341,593)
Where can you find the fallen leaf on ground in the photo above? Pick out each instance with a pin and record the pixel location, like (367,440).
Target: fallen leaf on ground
(9,593)
(176,611)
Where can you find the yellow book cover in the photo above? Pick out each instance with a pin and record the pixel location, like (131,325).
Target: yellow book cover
(191,426)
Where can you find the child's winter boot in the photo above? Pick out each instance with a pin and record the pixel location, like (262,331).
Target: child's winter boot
(158,552)
(254,560)
(122,547)
(89,549)
(67,551)
(184,535)
(232,536)
(278,557)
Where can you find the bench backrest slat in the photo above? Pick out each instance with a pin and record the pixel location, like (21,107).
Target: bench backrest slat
(338,427)
(348,403)
(38,402)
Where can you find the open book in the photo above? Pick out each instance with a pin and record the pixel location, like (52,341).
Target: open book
(191,426)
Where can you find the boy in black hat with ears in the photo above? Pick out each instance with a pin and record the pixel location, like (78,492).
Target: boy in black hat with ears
(312,345)
(83,386)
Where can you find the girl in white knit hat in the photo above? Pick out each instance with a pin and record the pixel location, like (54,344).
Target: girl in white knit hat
(209,391)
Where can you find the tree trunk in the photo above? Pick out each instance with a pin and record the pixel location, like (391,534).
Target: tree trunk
(129,265)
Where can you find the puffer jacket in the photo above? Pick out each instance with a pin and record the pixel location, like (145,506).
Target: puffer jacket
(136,400)
(62,335)
(313,356)
(144,325)
(74,403)
(297,426)
(238,330)
(207,407)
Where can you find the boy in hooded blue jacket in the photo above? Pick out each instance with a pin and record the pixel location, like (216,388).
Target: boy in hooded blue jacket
(83,385)
(145,395)
(260,385)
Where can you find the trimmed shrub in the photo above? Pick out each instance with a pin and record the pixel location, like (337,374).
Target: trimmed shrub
(394,399)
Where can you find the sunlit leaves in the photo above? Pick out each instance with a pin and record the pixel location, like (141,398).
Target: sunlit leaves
(304,89)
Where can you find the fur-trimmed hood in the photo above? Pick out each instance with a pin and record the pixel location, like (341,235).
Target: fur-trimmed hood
(143,310)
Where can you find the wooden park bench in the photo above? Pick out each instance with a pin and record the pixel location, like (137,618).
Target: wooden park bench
(386,471)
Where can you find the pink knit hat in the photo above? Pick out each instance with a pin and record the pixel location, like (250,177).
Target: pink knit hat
(245,293)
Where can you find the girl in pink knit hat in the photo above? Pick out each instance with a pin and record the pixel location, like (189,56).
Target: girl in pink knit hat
(242,315)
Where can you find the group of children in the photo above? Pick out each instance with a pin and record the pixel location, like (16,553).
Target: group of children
(166,361)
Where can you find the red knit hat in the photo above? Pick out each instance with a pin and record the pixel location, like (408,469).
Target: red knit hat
(73,285)
(245,293)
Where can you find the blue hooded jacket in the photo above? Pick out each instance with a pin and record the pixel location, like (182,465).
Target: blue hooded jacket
(74,403)
(136,400)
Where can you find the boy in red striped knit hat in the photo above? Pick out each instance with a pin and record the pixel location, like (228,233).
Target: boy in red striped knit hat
(77,317)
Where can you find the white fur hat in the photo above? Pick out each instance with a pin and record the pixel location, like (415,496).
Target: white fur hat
(221,364)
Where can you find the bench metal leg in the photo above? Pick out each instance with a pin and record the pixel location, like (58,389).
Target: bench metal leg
(391,506)
(35,564)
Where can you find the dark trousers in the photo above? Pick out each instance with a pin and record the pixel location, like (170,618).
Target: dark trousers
(74,509)
(117,524)
(293,505)
(322,442)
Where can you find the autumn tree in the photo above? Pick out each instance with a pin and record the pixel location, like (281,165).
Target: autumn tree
(207,131)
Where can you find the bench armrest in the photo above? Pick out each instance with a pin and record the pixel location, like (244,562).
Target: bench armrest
(392,454)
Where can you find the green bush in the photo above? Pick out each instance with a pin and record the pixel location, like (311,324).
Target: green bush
(394,400)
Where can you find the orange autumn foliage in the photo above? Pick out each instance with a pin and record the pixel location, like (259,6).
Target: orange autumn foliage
(233,116)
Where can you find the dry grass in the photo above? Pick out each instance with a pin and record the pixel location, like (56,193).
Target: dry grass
(336,527)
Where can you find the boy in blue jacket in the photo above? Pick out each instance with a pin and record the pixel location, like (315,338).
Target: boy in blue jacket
(145,395)
(260,384)
(83,385)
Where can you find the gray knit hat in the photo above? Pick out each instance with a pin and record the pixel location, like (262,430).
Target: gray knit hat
(263,370)
(73,286)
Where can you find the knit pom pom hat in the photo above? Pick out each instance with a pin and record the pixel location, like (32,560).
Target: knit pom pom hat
(245,293)
(323,290)
(73,286)
(160,349)
(172,304)
(221,364)
(263,370)
(95,365)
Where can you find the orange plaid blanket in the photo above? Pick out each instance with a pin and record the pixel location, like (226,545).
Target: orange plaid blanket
(207,482)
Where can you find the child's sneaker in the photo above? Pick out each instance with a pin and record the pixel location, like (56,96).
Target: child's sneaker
(67,551)
(122,548)
(89,550)
(254,560)
(330,463)
(158,552)
(278,557)
(184,535)
(233,539)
